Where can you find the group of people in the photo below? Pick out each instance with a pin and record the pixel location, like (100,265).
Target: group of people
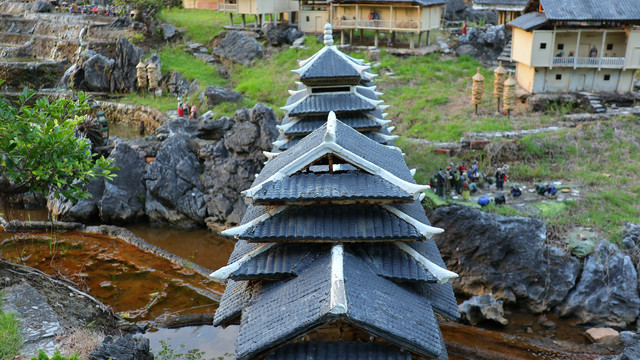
(95,9)
(546,190)
(461,179)
(184,110)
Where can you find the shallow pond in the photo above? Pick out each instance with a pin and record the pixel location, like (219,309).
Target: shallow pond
(143,288)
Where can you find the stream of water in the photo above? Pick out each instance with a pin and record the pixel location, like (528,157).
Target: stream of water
(146,289)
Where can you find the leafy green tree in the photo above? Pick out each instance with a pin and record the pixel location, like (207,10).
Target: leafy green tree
(40,152)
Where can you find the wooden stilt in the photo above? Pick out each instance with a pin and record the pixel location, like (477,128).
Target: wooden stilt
(411,44)
(244,21)
(231,19)
(375,39)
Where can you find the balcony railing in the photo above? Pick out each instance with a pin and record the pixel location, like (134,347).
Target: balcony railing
(590,62)
(228,7)
(375,24)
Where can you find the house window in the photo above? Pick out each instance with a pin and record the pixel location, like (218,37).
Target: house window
(560,46)
(558,76)
(607,77)
(307,19)
(543,45)
(609,46)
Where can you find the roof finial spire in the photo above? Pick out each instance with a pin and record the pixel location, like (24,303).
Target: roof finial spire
(328,34)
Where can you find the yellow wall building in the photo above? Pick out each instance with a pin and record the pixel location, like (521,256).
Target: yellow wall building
(569,46)
(412,16)
(507,9)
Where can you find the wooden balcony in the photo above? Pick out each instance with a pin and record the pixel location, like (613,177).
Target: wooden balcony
(228,7)
(384,25)
(589,62)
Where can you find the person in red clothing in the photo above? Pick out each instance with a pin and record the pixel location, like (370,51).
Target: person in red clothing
(464,28)
(180,109)
(193,113)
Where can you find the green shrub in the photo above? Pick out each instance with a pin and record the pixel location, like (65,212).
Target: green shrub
(56,356)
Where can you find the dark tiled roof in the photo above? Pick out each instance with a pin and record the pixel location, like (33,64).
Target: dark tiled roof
(311,187)
(441,297)
(420,2)
(386,158)
(305,145)
(338,350)
(529,21)
(293,140)
(308,124)
(233,300)
(284,310)
(366,93)
(522,3)
(296,97)
(415,210)
(380,155)
(279,262)
(392,263)
(338,103)
(594,10)
(331,66)
(382,307)
(332,223)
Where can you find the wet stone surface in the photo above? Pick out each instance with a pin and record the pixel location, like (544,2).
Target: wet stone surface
(40,323)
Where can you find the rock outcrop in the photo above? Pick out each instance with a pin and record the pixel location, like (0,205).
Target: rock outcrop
(174,189)
(128,347)
(239,48)
(484,44)
(214,95)
(123,78)
(607,293)
(196,172)
(232,162)
(122,199)
(504,255)
(483,308)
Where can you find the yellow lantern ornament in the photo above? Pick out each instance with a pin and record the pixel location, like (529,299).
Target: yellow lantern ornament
(509,94)
(141,75)
(477,89)
(152,73)
(499,75)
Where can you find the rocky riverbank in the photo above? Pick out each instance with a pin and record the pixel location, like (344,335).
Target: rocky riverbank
(189,174)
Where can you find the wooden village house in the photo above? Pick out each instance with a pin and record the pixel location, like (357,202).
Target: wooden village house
(507,10)
(413,17)
(263,10)
(568,45)
(334,257)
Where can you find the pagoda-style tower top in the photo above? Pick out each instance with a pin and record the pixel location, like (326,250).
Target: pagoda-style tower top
(335,239)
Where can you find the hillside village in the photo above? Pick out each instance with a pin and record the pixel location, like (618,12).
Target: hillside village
(412,179)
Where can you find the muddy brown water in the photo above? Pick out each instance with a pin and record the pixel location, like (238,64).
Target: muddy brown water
(143,288)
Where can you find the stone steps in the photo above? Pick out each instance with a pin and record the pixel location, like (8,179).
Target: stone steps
(597,105)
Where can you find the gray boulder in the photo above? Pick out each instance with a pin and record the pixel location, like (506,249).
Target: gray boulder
(293,34)
(631,341)
(484,44)
(127,55)
(493,36)
(122,200)
(607,293)
(175,84)
(483,308)
(274,35)
(232,161)
(239,48)
(631,236)
(214,95)
(174,189)
(505,255)
(97,73)
(455,10)
(128,347)
(168,30)
(85,210)
(41,6)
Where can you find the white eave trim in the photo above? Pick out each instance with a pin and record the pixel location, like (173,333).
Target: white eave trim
(332,147)
(443,275)
(387,137)
(371,101)
(239,230)
(270,155)
(338,293)
(424,229)
(224,272)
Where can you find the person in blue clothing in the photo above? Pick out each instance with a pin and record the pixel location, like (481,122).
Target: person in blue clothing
(551,190)
(483,201)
